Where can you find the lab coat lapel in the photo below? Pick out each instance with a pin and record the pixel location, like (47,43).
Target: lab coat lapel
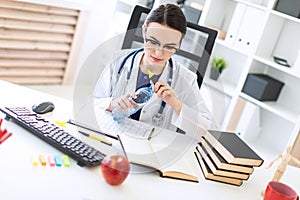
(133,78)
(165,74)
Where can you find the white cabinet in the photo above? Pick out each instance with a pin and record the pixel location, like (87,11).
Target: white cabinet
(255,34)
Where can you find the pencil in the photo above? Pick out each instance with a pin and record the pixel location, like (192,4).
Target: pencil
(95,138)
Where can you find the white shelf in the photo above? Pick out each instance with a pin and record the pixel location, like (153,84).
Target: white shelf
(252,4)
(256,32)
(271,63)
(285,16)
(225,44)
(222,86)
(275,108)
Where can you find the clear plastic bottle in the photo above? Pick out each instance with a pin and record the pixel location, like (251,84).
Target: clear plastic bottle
(143,94)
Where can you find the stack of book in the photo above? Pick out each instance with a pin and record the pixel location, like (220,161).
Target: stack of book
(226,158)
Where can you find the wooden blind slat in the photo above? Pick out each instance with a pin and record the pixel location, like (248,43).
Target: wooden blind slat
(33,80)
(31,16)
(15,44)
(32,63)
(37,8)
(7,72)
(23,54)
(36,42)
(36,26)
(34,36)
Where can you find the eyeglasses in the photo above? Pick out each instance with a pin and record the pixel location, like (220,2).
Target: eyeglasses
(151,43)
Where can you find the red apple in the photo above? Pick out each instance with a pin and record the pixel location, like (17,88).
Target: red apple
(115,169)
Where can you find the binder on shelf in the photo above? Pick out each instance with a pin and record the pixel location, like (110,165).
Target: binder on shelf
(240,34)
(235,23)
(250,29)
(233,148)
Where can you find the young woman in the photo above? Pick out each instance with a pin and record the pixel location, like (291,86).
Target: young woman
(176,103)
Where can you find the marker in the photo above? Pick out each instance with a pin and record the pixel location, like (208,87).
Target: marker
(96,138)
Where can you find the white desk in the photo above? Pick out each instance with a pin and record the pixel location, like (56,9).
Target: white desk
(20,180)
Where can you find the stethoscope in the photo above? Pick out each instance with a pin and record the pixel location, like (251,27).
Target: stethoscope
(157,119)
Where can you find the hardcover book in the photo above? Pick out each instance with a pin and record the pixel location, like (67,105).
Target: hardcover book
(208,174)
(221,163)
(233,148)
(217,171)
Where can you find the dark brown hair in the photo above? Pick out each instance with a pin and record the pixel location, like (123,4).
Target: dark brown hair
(170,15)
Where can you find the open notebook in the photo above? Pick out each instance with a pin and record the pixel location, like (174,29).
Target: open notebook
(166,151)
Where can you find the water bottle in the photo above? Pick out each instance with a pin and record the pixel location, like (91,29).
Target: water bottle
(143,94)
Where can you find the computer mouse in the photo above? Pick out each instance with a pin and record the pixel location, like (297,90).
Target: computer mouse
(43,107)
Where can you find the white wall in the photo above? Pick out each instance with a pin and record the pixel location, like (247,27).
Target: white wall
(99,27)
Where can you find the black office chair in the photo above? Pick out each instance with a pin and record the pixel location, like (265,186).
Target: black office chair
(192,54)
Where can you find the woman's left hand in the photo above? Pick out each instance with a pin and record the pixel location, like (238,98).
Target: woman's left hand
(167,94)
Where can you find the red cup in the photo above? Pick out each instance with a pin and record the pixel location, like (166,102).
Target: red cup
(279,191)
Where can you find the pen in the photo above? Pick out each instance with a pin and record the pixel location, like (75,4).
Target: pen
(151,133)
(95,138)
(90,129)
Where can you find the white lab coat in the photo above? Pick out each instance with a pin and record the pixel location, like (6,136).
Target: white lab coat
(194,116)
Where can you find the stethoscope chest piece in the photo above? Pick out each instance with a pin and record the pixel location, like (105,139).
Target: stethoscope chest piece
(157,119)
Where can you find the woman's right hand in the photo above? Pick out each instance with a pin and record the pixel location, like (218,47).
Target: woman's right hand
(121,103)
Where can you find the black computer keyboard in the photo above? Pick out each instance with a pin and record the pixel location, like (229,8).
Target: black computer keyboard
(54,135)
